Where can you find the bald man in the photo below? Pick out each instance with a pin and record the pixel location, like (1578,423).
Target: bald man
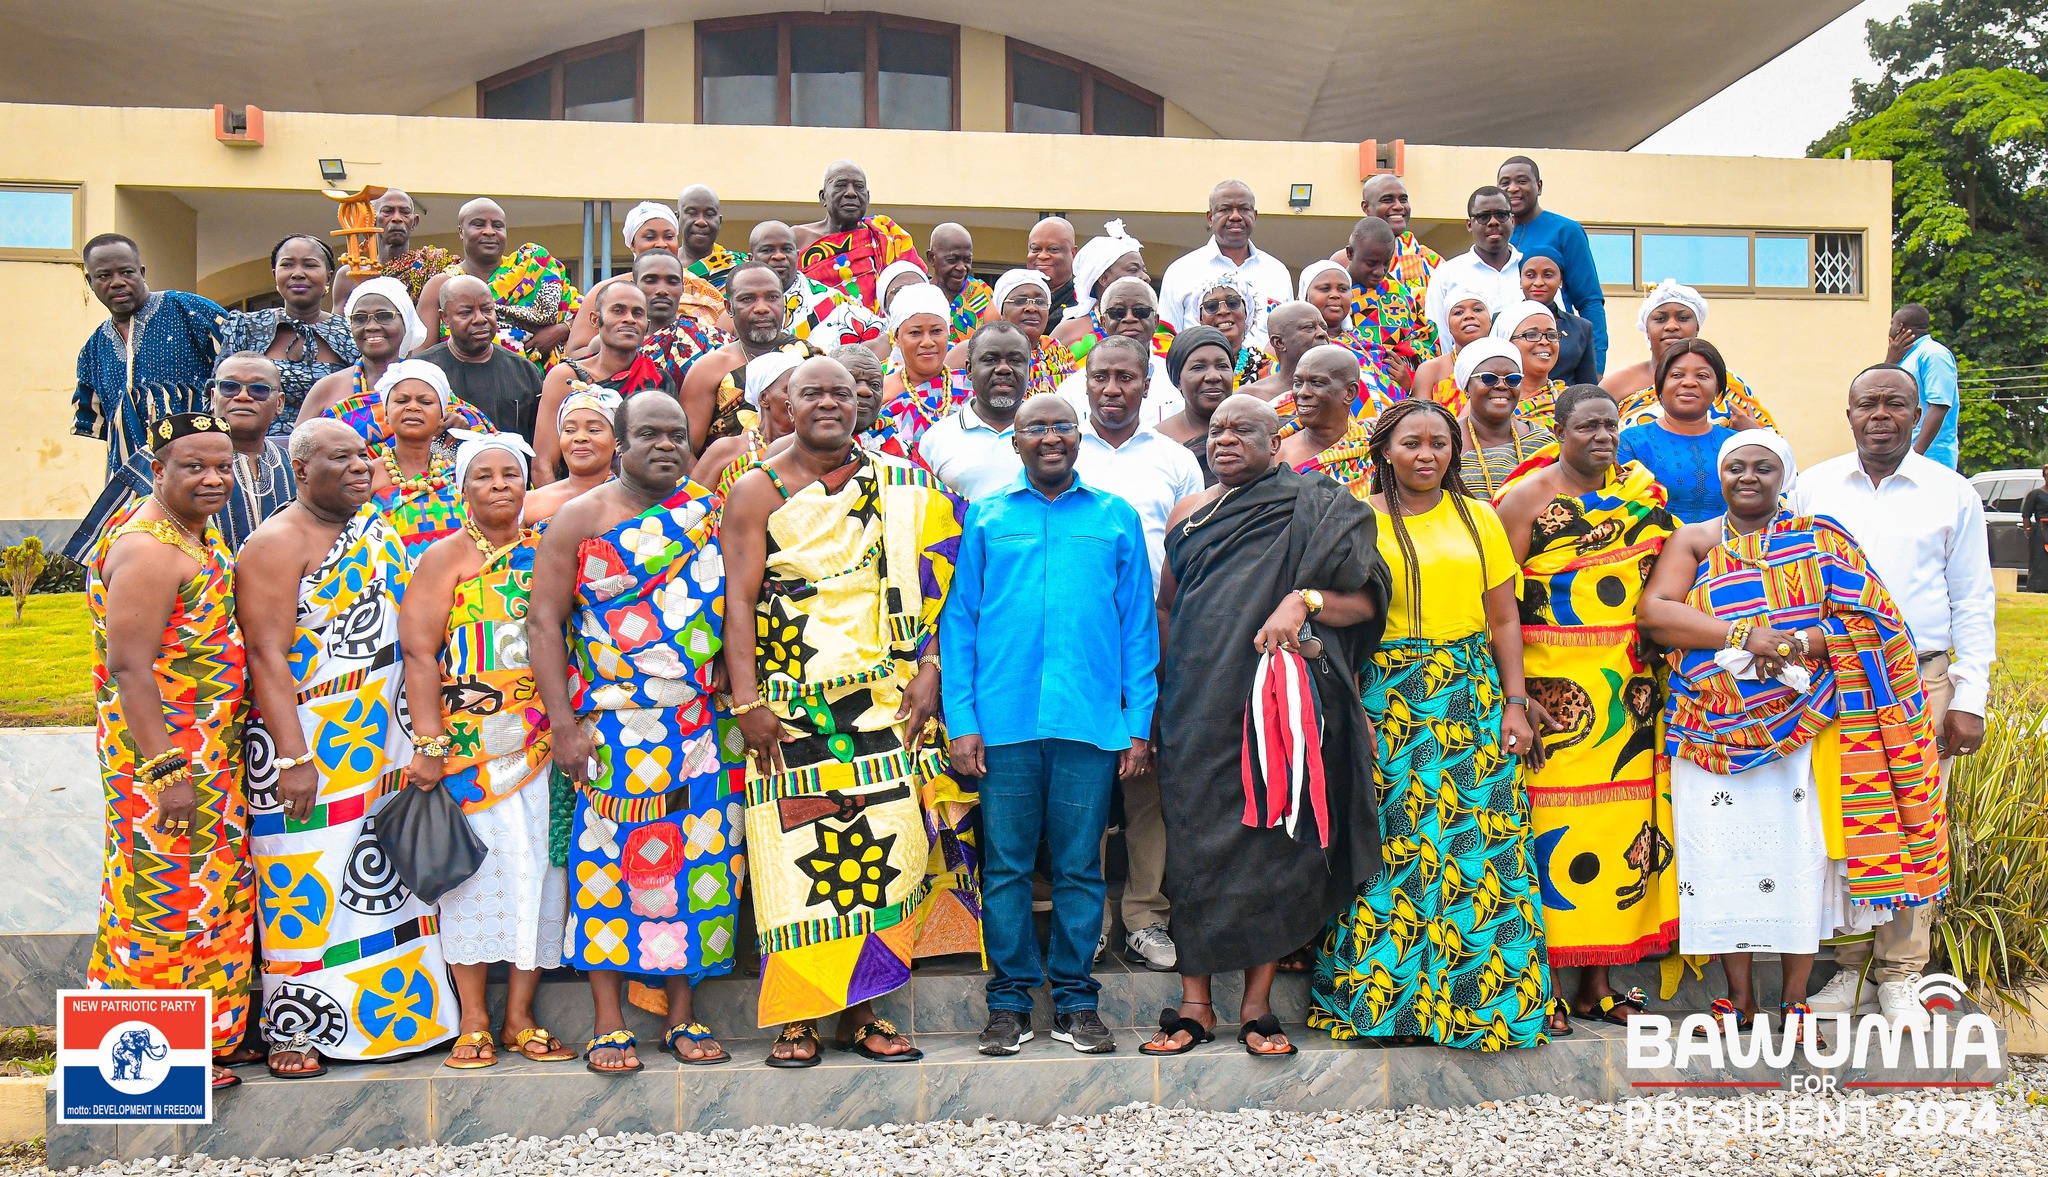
(1291,330)
(817,314)
(1050,250)
(398,214)
(1328,439)
(1233,215)
(847,249)
(504,386)
(950,257)
(703,216)
(1390,332)
(1386,197)
(532,290)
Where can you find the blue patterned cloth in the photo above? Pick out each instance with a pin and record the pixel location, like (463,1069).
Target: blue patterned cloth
(1689,467)
(300,366)
(176,337)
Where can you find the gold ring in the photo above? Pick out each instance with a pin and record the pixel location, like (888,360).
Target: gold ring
(931,726)
(1784,648)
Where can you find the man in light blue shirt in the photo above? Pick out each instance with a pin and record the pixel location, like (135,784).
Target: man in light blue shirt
(1049,645)
(1911,347)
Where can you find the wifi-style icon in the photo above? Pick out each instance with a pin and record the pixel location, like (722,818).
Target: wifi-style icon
(1939,992)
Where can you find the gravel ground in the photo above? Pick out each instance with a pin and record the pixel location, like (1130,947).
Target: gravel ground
(1538,1135)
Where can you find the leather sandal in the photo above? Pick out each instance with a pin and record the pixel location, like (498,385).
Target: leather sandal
(879,1028)
(1170,1023)
(1265,1027)
(559,1053)
(695,1032)
(793,1035)
(618,1040)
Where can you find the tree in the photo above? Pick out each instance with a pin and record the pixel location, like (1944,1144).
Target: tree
(20,565)
(1970,234)
(1937,37)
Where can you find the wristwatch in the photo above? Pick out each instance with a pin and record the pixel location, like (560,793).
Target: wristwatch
(1313,599)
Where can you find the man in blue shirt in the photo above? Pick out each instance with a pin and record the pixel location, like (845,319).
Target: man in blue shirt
(1538,231)
(1048,694)
(1911,347)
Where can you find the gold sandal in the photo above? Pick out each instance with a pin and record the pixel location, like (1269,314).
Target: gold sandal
(479,1042)
(560,1054)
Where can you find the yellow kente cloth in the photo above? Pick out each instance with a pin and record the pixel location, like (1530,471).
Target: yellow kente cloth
(1641,405)
(1602,833)
(844,871)
(177,912)
(492,710)
(1348,459)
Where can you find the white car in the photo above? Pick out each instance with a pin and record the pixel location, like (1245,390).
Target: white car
(2003,491)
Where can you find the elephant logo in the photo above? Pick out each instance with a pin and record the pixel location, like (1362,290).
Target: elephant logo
(132,1048)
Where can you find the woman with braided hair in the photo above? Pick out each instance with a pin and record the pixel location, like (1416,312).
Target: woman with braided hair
(1446,944)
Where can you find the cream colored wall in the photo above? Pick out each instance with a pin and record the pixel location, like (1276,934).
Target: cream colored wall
(669,79)
(1798,352)
(1179,124)
(984,85)
(460,104)
(166,231)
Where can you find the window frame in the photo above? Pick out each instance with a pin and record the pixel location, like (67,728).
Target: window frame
(553,65)
(76,191)
(1642,285)
(872,24)
(1091,76)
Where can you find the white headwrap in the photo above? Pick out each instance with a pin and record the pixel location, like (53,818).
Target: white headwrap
(1509,320)
(921,299)
(1254,304)
(1669,290)
(419,370)
(393,291)
(765,370)
(1012,279)
(595,397)
(1771,440)
(897,269)
(645,211)
(474,445)
(1478,352)
(1313,271)
(1456,292)
(1094,259)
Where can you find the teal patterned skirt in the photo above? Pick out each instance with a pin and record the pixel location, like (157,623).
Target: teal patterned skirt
(1446,943)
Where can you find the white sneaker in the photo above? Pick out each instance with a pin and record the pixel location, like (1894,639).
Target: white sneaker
(1101,945)
(1153,946)
(1845,993)
(1895,1002)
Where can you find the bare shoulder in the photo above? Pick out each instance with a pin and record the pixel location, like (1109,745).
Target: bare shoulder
(1192,503)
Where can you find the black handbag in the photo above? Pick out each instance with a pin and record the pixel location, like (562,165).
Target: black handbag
(428,841)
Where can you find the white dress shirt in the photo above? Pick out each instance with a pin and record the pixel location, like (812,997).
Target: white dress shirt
(1149,471)
(1922,530)
(1162,399)
(1180,291)
(1468,271)
(973,458)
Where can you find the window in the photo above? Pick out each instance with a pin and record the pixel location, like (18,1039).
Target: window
(599,83)
(1055,95)
(41,222)
(1730,261)
(816,70)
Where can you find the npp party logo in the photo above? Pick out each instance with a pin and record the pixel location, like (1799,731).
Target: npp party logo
(134,1056)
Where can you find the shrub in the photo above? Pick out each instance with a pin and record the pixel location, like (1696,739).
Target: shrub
(22,564)
(1993,928)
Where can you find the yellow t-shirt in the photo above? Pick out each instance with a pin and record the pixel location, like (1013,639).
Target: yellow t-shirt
(1453,604)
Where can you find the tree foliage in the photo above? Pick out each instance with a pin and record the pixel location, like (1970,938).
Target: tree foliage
(1937,37)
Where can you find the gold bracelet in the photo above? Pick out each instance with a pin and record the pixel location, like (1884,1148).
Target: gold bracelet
(740,709)
(439,745)
(158,761)
(1738,633)
(154,790)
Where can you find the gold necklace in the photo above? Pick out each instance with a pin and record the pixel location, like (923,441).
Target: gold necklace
(1213,508)
(490,551)
(434,479)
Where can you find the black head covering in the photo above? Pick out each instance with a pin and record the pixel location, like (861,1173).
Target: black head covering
(1184,345)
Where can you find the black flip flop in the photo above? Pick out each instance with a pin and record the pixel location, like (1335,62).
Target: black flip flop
(695,1032)
(1265,1027)
(1615,1008)
(794,1036)
(1171,1023)
(879,1028)
(615,1040)
(302,1052)
(1559,1007)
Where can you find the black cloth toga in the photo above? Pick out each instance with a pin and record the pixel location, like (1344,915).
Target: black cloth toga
(2034,518)
(1244,896)
(505,387)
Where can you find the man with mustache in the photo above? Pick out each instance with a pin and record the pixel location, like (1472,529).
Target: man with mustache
(151,358)
(1233,215)
(848,249)
(970,449)
(398,214)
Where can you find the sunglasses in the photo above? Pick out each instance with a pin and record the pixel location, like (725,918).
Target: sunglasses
(1533,335)
(1229,302)
(1063,428)
(1493,214)
(1119,314)
(1495,379)
(234,388)
(366,318)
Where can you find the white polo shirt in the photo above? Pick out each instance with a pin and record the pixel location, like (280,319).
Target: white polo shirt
(1466,270)
(1162,399)
(1150,471)
(973,458)
(1180,291)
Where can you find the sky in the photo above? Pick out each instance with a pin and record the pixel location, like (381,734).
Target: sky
(1786,103)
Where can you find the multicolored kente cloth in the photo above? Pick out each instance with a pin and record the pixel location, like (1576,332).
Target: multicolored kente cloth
(852,259)
(263,487)
(363,411)
(862,852)
(682,343)
(1642,405)
(160,369)
(1538,405)
(415,266)
(421,510)
(904,417)
(1347,460)
(715,267)
(975,306)
(351,957)
(1446,943)
(1386,320)
(825,317)
(176,912)
(1486,469)
(1413,261)
(1799,571)
(1050,364)
(655,863)
(532,291)
(1602,826)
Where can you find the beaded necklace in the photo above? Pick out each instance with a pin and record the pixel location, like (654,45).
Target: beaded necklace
(1479,453)
(435,478)
(491,551)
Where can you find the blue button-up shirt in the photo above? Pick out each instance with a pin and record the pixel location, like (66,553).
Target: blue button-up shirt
(1049,631)
(1934,367)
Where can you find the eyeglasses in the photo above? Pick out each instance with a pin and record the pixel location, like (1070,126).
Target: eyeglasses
(380,318)
(1026,300)
(1063,428)
(1534,335)
(1493,214)
(1119,314)
(1495,379)
(234,388)
(1229,302)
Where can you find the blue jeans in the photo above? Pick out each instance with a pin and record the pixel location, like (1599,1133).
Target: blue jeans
(1059,789)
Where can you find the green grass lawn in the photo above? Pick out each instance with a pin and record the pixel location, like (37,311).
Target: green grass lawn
(2022,633)
(46,662)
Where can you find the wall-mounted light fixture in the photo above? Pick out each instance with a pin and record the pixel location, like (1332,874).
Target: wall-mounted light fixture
(1299,196)
(333,171)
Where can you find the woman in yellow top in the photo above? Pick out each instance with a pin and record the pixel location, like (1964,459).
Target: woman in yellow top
(1446,944)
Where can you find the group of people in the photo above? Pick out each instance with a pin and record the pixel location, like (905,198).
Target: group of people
(1415,654)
